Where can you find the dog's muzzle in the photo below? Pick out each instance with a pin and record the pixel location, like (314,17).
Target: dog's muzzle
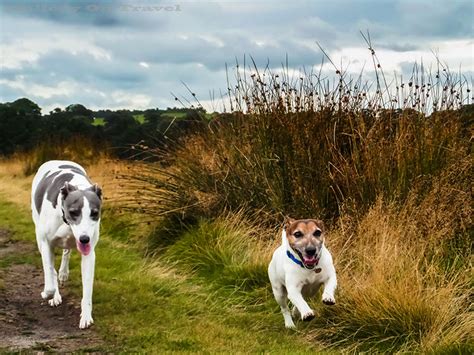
(84,245)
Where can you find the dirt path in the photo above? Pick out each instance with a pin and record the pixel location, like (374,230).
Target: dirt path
(27,322)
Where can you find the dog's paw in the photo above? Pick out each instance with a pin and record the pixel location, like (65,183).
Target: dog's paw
(307,316)
(62,277)
(329,300)
(290,325)
(56,300)
(47,294)
(86,322)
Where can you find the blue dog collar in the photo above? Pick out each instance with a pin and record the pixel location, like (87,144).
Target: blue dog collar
(300,263)
(295,260)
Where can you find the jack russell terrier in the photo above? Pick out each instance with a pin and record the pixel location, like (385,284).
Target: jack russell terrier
(299,267)
(66,208)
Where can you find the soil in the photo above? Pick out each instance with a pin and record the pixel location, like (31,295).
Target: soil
(27,322)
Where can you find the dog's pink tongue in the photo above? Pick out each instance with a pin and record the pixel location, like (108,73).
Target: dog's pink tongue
(84,249)
(310,261)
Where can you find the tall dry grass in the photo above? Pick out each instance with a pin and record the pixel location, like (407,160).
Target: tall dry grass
(403,286)
(404,271)
(389,166)
(400,288)
(77,148)
(17,171)
(300,149)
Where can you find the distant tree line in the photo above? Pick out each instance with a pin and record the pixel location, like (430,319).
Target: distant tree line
(22,126)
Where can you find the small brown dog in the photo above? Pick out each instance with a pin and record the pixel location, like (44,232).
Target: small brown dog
(300,266)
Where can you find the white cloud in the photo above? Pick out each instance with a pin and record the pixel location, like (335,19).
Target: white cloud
(27,51)
(452,53)
(122,99)
(63,88)
(213,40)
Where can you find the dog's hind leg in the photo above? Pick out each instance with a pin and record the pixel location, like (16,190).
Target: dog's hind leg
(281,297)
(64,268)
(50,275)
(47,257)
(57,299)
(62,277)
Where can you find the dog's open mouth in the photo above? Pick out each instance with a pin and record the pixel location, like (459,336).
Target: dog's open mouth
(84,249)
(310,261)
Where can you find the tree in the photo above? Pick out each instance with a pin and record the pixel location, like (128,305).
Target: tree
(79,110)
(20,123)
(25,106)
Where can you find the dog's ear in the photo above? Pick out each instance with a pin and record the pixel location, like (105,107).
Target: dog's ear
(67,188)
(288,221)
(95,188)
(321,225)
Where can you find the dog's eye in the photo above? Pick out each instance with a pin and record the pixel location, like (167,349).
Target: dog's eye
(94,214)
(298,234)
(317,233)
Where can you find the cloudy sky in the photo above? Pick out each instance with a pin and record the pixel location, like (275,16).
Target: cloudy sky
(132,54)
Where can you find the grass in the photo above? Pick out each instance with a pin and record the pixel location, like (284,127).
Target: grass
(98,121)
(389,169)
(176,115)
(208,290)
(154,305)
(396,293)
(392,297)
(76,148)
(139,118)
(268,163)
(14,219)
(229,255)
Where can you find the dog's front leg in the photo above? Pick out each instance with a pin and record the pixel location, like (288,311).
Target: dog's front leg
(64,268)
(87,269)
(295,296)
(329,288)
(47,257)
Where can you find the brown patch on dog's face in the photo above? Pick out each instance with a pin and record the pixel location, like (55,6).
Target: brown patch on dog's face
(306,238)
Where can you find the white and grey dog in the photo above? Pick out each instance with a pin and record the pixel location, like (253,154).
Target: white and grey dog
(299,267)
(66,208)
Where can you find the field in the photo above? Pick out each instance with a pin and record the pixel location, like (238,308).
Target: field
(142,303)
(187,236)
(99,121)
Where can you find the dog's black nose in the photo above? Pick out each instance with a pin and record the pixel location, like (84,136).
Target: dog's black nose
(310,251)
(84,239)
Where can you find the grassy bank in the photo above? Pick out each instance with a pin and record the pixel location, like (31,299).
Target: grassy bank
(390,172)
(209,292)
(159,304)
